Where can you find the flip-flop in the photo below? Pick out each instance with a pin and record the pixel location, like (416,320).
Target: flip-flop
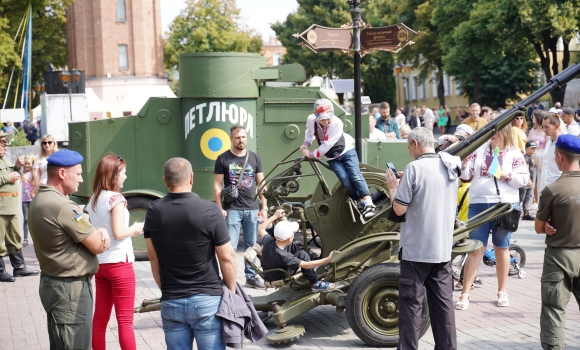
(502,301)
(462,305)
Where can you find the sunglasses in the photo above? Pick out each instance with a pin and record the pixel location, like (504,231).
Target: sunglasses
(519,118)
(44,143)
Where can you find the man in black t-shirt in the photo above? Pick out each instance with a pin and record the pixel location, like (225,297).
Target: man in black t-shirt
(280,252)
(183,234)
(241,213)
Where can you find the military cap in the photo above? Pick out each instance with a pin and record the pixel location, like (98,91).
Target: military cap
(569,143)
(65,158)
(568,110)
(3,134)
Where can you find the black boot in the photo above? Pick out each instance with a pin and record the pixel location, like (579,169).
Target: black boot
(4,276)
(20,269)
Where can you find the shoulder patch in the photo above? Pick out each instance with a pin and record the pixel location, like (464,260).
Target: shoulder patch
(82,223)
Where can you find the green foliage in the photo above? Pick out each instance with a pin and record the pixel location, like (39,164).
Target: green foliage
(489,70)
(48,40)
(376,68)
(208,26)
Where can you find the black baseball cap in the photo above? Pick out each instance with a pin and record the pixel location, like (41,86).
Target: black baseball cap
(531,144)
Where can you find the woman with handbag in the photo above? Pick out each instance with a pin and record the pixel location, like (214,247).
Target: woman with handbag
(499,156)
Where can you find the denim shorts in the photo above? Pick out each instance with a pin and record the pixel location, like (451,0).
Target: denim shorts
(499,237)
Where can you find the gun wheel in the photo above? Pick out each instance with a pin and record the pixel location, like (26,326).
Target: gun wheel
(372,306)
(287,334)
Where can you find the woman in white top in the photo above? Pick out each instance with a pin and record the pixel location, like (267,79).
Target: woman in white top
(115,280)
(47,147)
(483,195)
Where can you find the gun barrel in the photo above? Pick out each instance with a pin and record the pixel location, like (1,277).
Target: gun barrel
(464,148)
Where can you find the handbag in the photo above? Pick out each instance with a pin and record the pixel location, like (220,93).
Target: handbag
(509,221)
(230,193)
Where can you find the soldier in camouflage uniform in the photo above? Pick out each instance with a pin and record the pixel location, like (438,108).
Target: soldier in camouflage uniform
(10,237)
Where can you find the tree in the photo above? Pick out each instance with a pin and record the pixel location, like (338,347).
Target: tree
(543,23)
(208,26)
(425,54)
(48,39)
(376,68)
(488,70)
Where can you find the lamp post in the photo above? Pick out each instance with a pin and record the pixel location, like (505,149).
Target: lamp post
(397,70)
(65,78)
(356,14)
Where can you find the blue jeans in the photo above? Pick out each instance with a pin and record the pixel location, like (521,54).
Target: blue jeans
(191,318)
(348,172)
(500,237)
(247,220)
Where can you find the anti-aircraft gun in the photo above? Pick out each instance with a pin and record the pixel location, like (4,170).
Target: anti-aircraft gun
(364,264)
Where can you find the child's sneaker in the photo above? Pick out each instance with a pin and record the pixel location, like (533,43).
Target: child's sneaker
(322,286)
(370,211)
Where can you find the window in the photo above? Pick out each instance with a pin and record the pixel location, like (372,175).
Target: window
(121,13)
(446,84)
(457,88)
(419,92)
(123,59)
(276,59)
(413,88)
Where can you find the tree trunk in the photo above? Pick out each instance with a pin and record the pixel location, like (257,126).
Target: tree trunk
(441,89)
(477,88)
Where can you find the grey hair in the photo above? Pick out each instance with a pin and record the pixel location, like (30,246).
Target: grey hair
(423,137)
(177,171)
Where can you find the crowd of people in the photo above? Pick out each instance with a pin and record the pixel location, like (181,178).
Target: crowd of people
(516,166)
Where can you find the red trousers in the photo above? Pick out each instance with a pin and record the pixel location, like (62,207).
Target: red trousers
(115,286)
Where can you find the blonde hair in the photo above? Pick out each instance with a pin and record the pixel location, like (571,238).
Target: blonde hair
(30,157)
(41,152)
(507,137)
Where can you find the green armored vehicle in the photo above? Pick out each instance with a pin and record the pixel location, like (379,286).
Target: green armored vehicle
(220,90)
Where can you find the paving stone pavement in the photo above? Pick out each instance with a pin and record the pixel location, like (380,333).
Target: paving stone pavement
(482,326)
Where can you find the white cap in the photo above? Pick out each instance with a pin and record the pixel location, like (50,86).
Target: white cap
(465,128)
(284,229)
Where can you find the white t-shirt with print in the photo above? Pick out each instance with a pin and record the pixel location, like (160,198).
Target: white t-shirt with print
(120,250)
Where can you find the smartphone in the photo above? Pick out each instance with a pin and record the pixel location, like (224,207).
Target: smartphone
(392,167)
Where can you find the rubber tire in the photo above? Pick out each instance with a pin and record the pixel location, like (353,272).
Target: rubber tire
(139,203)
(520,251)
(363,284)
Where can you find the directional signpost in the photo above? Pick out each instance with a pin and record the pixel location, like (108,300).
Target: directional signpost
(356,38)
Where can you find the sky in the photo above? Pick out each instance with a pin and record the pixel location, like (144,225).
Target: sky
(257,14)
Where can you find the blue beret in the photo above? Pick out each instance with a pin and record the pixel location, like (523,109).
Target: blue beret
(65,158)
(569,143)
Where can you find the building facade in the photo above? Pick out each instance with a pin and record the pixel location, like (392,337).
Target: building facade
(273,51)
(119,46)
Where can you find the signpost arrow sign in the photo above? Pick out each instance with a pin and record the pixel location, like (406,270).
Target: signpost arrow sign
(318,38)
(391,38)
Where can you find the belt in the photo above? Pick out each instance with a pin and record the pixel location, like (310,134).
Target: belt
(8,194)
(86,278)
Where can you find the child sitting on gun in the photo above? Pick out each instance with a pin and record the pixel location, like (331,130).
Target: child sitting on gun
(338,149)
(280,252)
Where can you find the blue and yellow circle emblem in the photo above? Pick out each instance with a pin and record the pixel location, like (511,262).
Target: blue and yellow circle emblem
(214,142)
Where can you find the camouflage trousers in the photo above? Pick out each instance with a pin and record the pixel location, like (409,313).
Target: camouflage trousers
(10,238)
(560,279)
(68,303)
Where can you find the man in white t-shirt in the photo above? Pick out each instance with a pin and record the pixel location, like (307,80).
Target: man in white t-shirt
(572,126)
(374,133)
(400,117)
(550,171)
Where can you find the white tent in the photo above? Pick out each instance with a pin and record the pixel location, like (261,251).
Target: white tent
(138,96)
